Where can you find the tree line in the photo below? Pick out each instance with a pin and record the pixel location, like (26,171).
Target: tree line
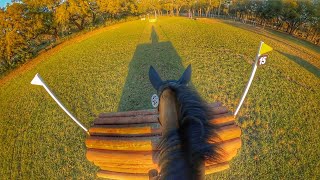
(28,26)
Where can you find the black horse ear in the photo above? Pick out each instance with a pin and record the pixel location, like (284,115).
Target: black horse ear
(186,76)
(154,78)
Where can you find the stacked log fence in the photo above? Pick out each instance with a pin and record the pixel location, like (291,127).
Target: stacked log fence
(125,144)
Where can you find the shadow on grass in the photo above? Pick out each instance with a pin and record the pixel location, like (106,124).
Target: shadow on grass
(311,68)
(163,57)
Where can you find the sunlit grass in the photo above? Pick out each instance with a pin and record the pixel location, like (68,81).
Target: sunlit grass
(279,119)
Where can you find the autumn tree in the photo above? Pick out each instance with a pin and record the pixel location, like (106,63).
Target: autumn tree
(74,12)
(295,13)
(167,6)
(109,8)
(210,5)
(46,9)
(178,4)
(3,58)
(129,7)
(16,32)
(149,6)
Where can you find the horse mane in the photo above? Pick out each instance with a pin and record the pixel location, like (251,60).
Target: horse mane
(185,150)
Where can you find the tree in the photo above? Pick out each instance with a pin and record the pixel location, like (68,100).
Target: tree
(129,7)
(148,6)
(117,8)
(294,13)
(211,4)
(178,4)
(314,21)
(2,39)
(166,5)
(241,8)
(73,12)
(269,11)
(16,32)
(46,10)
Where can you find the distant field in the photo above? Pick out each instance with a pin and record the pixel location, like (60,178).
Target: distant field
(106,71)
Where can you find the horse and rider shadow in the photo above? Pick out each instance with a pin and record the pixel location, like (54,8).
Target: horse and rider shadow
(137,91)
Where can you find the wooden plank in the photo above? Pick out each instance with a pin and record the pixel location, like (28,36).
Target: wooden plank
(148,143)
(143,116)
(123,143)
(223,120)
(126,165)
(126,130)
(149,159)
(227,132)
(229,148)
(138,119)
(102,157)
(142,119)
(145,176)
(145,128)
(122,169)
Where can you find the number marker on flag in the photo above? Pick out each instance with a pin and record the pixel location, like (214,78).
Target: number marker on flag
(263,59)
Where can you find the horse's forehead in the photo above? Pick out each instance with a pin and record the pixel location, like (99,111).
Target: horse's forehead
(167,84)
(167,93)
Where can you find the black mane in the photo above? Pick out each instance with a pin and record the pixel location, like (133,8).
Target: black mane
(183,151)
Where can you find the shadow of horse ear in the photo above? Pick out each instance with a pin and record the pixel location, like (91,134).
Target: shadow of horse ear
(153,174)
(186,76)
(154,78)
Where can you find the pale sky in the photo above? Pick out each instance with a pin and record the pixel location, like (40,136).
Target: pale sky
(3,3)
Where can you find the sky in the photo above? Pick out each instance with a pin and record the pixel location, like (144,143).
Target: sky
(3,3)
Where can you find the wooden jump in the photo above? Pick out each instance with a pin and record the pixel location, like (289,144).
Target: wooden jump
(125,144)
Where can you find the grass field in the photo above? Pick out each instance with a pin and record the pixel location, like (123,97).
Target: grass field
(106,71)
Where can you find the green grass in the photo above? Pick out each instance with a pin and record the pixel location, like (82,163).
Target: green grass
(107,72)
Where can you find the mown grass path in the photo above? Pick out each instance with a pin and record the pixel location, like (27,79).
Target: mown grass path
(107,72)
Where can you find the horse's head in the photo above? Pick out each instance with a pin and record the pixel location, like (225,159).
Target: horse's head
(168,106)
(186,131)
(169,112)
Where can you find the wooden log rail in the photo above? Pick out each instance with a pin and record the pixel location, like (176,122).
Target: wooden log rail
(124,144)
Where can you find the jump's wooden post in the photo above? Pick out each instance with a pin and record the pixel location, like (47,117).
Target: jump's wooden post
(124,144)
